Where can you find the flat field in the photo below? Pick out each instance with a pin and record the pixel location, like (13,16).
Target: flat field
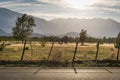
(14,50)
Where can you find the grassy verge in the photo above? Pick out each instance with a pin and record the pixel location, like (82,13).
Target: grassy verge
(87,63)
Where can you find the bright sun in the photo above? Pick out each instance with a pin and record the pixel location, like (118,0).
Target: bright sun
(80,4)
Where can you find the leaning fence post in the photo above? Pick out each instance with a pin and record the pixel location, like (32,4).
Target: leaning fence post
(118,52)
(75,51)
(97,50)
(50,50)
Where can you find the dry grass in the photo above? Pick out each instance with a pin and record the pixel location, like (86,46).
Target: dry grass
(13,52)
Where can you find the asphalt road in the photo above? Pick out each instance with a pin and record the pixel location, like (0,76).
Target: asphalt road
(24,73)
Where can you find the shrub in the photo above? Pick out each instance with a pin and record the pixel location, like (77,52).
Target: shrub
(116,45)
(57,56)
(26,48)
(112,56)
(2,46)
(43,44)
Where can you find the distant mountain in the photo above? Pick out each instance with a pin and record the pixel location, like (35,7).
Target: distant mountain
(70,34)
(96,27)
(7,19)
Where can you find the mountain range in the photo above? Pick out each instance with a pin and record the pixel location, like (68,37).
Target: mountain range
(96,27)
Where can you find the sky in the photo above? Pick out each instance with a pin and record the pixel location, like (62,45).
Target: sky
(49,9)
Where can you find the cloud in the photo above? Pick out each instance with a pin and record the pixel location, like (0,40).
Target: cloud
(39,6)
(61,3)
(48,3)
(108,4)
(60,8)
(107,8)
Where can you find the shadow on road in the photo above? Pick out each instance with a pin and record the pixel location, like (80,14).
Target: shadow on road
(74,68)
(37,71)
(107,70)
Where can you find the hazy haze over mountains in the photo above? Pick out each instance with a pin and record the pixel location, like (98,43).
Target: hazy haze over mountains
(96,27)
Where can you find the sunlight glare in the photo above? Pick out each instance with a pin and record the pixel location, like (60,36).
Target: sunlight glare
(80,4)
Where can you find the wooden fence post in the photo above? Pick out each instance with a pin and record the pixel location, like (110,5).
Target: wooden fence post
(75,52)
(50,50)
(97,50)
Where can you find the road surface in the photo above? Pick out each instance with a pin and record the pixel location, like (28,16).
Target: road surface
(29,73)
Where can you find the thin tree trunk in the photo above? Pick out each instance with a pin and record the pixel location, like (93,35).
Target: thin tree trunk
(50,50)
(23,50)
(118,52)
(97,51)
(82,43)
(75,52)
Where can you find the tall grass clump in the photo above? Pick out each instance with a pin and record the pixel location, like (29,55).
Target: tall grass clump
(57,56)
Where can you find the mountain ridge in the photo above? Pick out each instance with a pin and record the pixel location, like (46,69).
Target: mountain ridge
(95,27)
